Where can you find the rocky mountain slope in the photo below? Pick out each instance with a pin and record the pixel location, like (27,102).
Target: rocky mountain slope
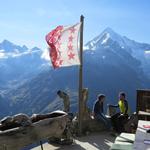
(112,63)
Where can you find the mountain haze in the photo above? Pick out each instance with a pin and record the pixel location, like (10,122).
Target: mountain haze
(112,63)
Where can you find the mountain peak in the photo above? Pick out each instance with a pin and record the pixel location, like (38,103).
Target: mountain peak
(107,35)
(35,48)
(112,34)
(6,42)
(109,30)
(6,45)
(10,47)
(24,48)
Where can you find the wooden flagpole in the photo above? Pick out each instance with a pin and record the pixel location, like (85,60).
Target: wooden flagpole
(81,76)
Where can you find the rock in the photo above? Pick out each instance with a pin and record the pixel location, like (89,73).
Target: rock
(15,121)
(22,119)
(93,125)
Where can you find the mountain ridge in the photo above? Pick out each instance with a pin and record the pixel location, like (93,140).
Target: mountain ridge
(108,68)
(115,37)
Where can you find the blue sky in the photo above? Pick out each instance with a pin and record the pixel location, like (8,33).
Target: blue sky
(28,21)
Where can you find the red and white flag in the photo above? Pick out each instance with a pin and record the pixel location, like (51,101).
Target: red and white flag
(63,42)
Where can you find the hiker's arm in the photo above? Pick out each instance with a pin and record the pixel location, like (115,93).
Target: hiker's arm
(116,106)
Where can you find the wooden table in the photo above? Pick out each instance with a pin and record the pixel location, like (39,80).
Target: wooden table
(141,135)
(146,115)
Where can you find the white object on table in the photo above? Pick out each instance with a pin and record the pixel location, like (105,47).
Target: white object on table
(144,113)
(141,136)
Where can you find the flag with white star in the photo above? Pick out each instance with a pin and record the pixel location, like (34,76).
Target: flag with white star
(63,43)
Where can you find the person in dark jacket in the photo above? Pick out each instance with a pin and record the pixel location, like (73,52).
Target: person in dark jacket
(98,111)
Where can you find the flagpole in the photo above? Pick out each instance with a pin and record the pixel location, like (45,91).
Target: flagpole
(81,76)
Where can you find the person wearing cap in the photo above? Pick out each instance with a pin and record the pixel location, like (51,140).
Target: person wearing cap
(98,111)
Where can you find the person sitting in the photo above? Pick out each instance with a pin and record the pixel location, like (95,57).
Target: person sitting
(119,119)
(98,111)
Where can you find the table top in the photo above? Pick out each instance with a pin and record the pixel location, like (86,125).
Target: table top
(142,135)
(144,113)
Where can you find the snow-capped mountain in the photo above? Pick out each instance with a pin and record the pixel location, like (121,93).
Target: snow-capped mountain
(112,63)
(8,50)
(103,39)
(8,46)
(109,66)
(125,43)
(18,63)
(140,51)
